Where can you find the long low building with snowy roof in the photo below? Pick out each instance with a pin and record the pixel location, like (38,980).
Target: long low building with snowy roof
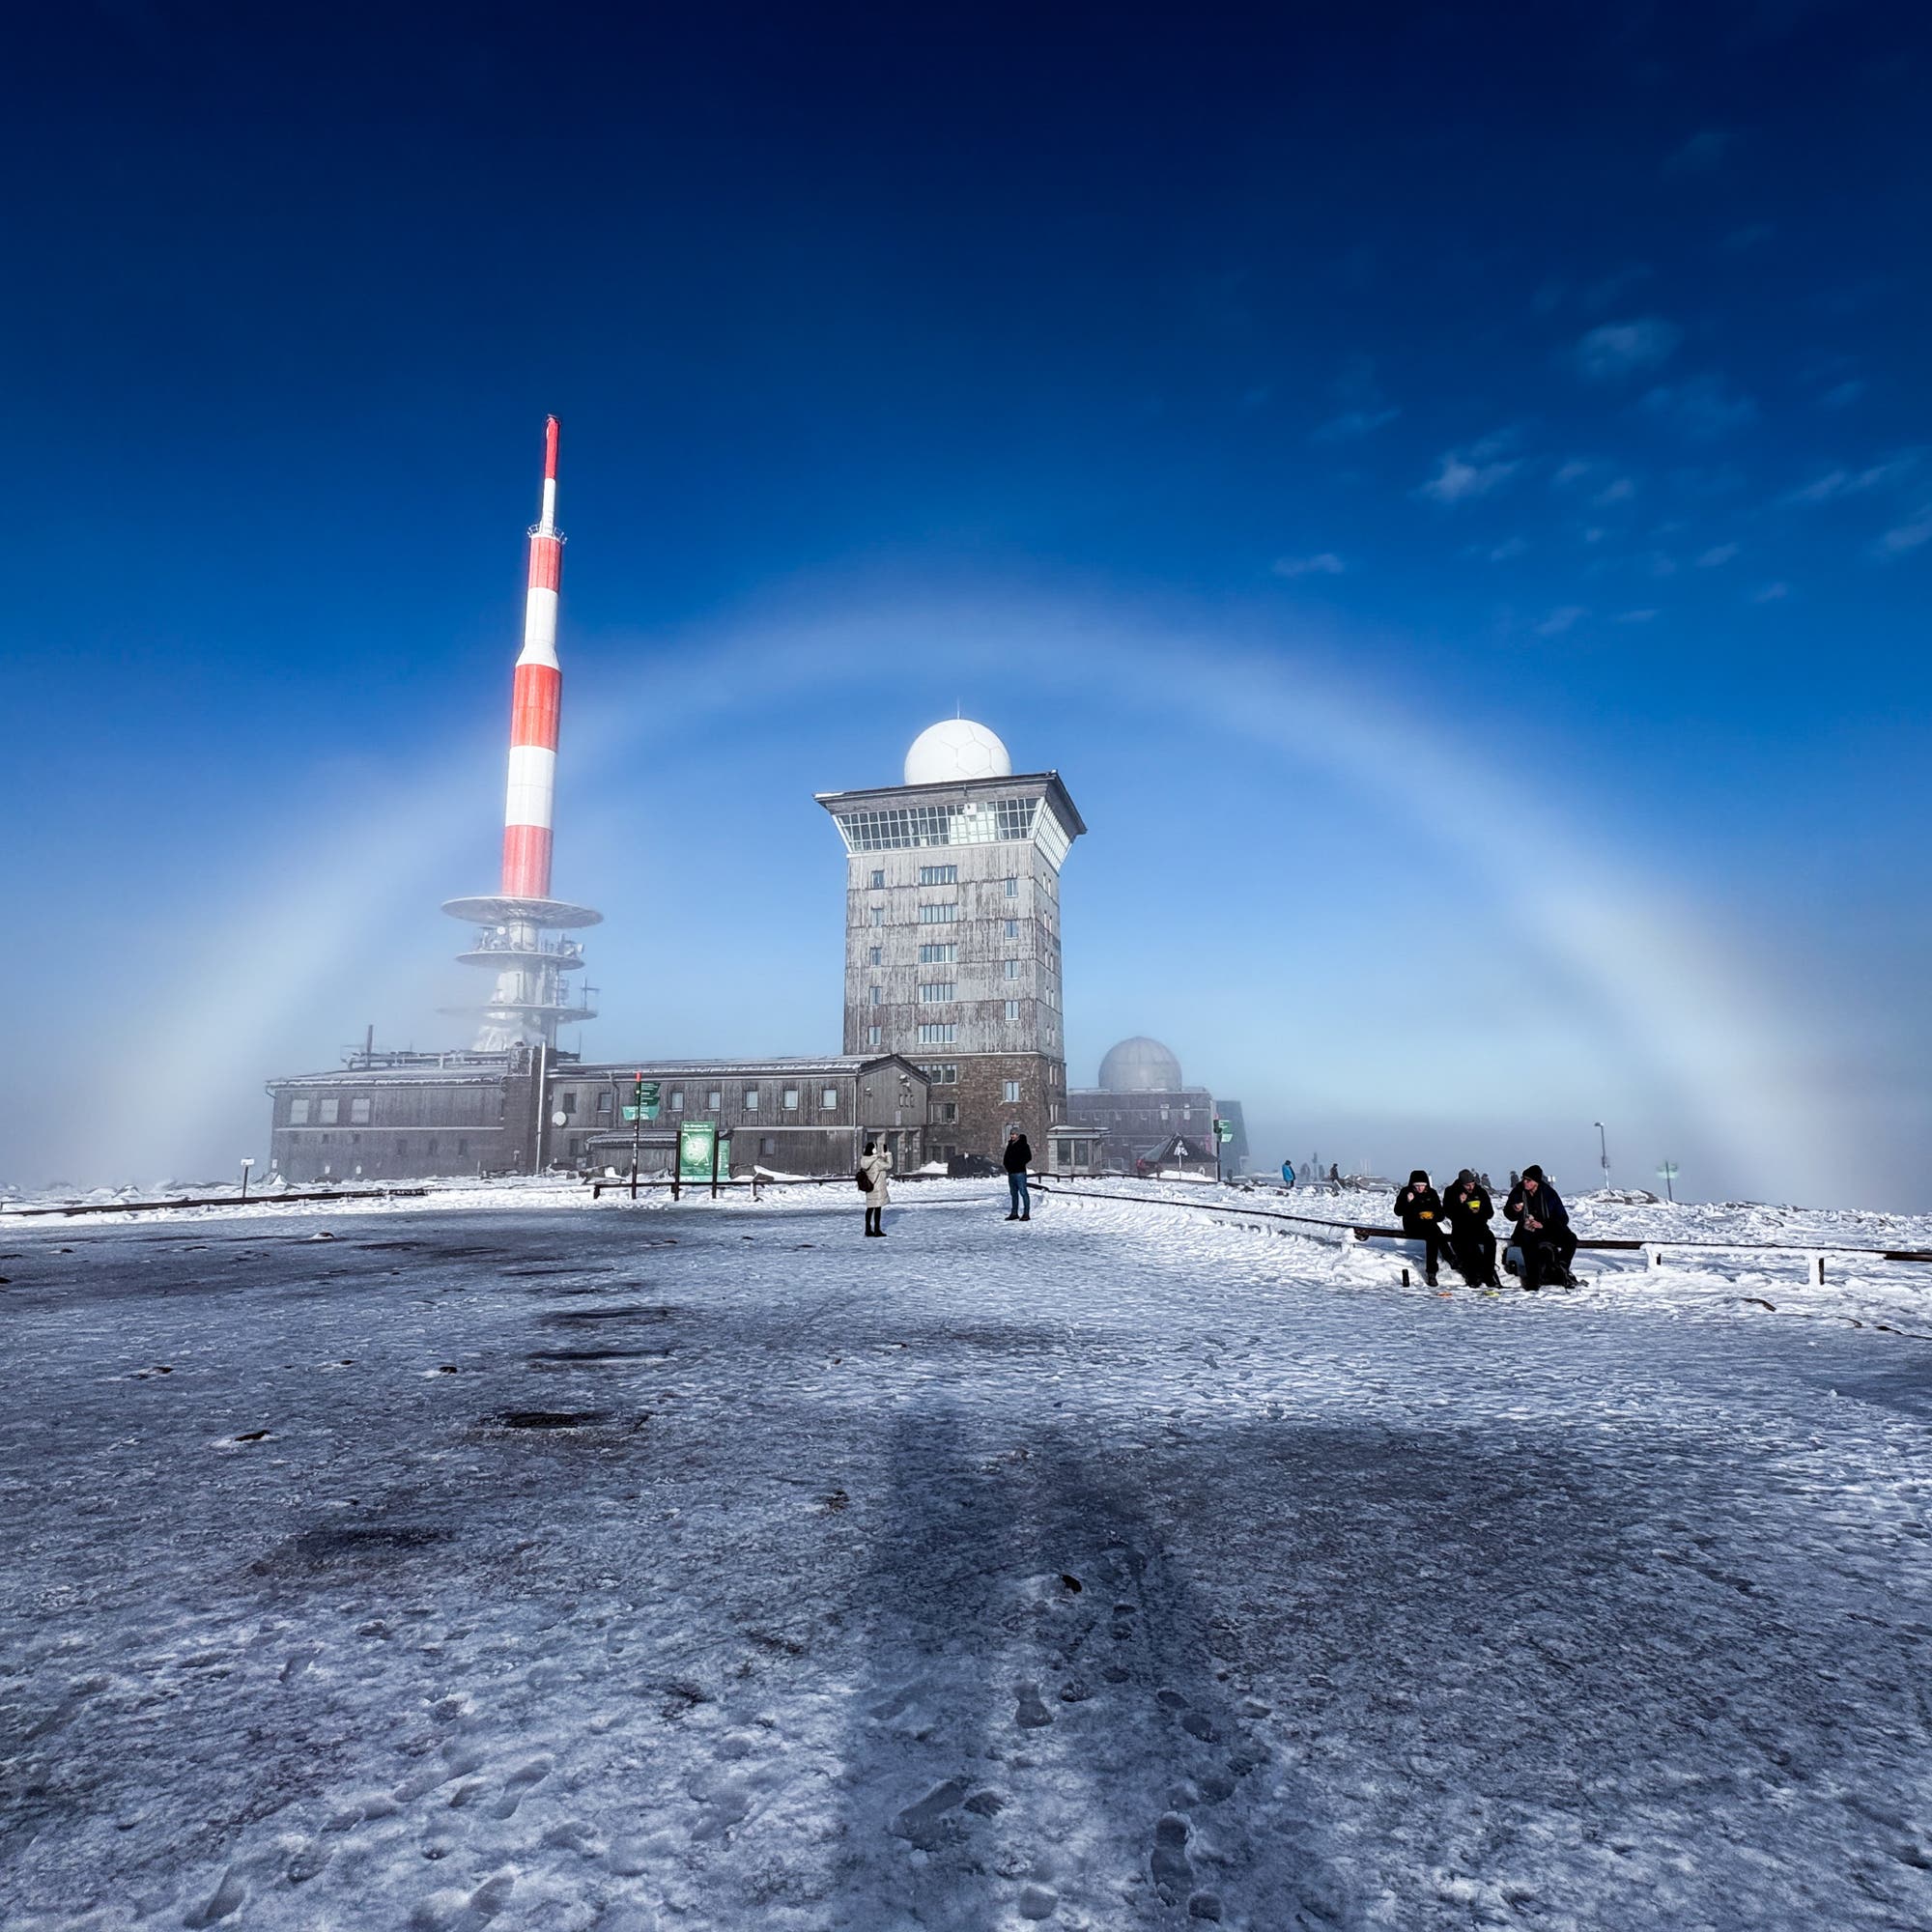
(404,1116)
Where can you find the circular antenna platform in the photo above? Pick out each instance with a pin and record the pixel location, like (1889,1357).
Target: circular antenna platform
(494,909)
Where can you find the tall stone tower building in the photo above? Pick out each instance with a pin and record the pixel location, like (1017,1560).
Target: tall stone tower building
(952,933)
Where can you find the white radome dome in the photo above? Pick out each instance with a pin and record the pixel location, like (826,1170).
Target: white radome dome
(956,749)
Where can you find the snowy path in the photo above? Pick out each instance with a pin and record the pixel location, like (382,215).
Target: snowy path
(711,1567)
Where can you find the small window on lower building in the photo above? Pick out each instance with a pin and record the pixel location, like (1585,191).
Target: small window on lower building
(791,1099)
(1012,889)
(677,1100)
(604,1102)
(878,955)
(1012,1009)
(298,1112)
(751,1099)
(828,1101)
(1012,1092)
(713,1100)
(871,1035)
(878,914)
(358,1111)
(949,1110)
(767,1145)
(331,1110)
(878,881)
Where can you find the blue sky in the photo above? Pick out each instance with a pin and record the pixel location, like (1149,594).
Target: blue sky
(1534,405)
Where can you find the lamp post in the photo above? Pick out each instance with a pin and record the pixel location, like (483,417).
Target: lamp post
(1668,1174)
(1603,1147)
(247,1161)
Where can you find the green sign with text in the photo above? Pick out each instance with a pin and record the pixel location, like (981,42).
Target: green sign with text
(696,1148)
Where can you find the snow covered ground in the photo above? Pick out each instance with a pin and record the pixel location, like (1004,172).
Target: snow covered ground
(526,1564)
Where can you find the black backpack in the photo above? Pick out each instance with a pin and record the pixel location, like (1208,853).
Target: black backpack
(864,1180)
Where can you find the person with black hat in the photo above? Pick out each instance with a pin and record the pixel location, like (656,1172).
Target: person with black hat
(1543,1237)
(1419,1208)
(1471,1245)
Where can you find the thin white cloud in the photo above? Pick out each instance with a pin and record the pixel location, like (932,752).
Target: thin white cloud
(1616,349)
(1770,593)
(1561,619)
(1600,296)
(1701,153)
(1836,483)
(1703,407)
(1508,547)
(1841,395)
(1910,535)
(1636,617)
(1462,476)
(1572,472)
(1363,407)
(1323,563)
(1619,490)
(1353,423)
(1717,555)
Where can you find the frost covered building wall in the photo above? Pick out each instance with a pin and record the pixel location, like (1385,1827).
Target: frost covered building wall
(952,933)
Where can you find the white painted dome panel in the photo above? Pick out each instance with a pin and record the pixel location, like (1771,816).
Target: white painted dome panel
(1140,1066)
(956,749)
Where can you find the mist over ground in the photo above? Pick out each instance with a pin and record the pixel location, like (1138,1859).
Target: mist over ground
(1287,878)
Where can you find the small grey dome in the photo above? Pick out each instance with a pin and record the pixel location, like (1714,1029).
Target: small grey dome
(1140,1066)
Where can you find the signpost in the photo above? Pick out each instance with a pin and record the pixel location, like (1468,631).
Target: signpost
(1223,1132)
(643,1107)
(1666,1174)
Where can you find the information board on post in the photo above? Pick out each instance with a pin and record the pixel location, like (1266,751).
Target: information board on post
(696,1148)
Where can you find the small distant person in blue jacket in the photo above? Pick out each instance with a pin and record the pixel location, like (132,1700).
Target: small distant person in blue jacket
(1287,1174)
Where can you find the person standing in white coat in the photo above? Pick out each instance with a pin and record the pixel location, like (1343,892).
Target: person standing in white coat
(877,1167)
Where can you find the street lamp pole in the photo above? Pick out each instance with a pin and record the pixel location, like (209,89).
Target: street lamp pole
(1603,1147)
(247,1161)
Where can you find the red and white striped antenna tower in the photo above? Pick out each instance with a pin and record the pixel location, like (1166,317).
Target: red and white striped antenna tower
(517,923)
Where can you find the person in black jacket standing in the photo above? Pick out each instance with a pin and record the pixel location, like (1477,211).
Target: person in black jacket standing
(1419,1208)
(1016,1159)
(1471,1245)
(1543,1236)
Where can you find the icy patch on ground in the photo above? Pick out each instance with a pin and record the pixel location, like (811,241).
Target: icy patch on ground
(708,1565)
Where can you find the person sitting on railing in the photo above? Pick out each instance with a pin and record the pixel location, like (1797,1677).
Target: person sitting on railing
(1543,1236)
(1419,1208)
(1472,1247)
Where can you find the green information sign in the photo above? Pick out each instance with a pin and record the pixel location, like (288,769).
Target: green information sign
(696,1147)
(1223,1132)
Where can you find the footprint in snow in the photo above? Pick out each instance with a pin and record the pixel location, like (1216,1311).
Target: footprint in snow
(923,1825)
(1173,1873)
(227,1898)
(1032,1715)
